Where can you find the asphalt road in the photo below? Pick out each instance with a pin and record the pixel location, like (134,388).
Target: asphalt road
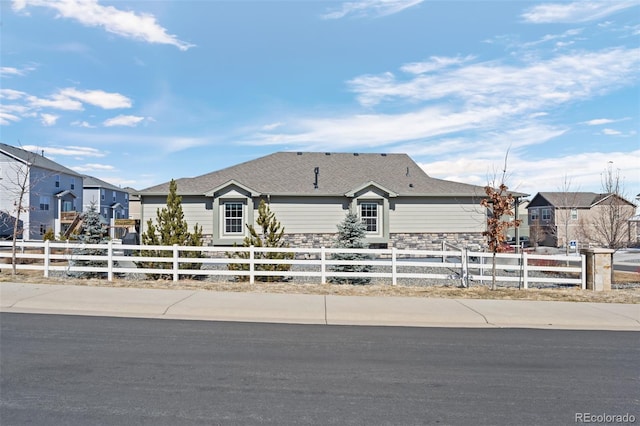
(68,370)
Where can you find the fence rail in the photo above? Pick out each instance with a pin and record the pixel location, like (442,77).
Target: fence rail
(388,265)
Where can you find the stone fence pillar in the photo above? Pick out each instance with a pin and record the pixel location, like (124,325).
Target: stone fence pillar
(599,268)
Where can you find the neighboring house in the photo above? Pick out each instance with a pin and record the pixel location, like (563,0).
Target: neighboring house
(53,193)
(134,203)
(557,218)
(111,202)
(522,214)
(311,193)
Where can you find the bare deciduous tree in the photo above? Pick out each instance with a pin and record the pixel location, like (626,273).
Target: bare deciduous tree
(610,224)
(563,213)
(499,203)
(17,191)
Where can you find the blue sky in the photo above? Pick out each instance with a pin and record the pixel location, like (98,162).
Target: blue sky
(139,92)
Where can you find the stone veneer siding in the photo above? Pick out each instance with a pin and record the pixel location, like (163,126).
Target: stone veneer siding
(426,241)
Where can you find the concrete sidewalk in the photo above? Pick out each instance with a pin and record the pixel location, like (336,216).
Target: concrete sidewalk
(315,309)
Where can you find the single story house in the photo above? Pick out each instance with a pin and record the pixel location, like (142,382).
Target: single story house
(311,193)
(557,218)
(52,193)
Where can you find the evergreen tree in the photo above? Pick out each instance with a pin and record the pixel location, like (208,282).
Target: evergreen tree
(171,228)
(91,231)
(270,234)
(351,234)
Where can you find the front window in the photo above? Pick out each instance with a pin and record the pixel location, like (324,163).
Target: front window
(534,215)
(67,206)
(546,214)
(57,181)
(102,194)
(574,214)
(369,216)
(73,183)
(44,203)
(233,219)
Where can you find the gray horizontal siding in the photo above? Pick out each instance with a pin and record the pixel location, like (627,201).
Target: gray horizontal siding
(413,216)
(197,210)
(309,215)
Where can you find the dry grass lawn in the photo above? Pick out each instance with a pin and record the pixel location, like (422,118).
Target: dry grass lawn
(626,294)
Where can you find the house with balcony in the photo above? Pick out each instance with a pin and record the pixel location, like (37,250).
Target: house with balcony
(311,193)
(48,195)
(111,202)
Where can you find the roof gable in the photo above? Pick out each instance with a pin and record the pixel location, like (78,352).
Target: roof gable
(578,200)
(319,173)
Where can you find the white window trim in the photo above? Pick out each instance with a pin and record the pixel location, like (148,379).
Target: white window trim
(223,216)
(378,204)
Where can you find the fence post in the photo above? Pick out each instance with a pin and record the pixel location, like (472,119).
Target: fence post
(323,265)
(176,265)
(525,270)
(252,266)
(47,252)
(110,260)
(394,266)
(464,267)
(583,272)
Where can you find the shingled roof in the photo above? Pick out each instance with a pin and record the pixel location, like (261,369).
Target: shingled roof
(293,173)
(569,199)
(35,159)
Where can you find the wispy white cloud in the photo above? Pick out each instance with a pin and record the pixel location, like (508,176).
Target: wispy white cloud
(501,103)
(611,132)
(6,118)
(581,168)
(602,121)
(599,121)
(434,63)
(84,124)
(370,8)
(536,84)
(97,98)
(575,12)
(93,167)
(128,24)
(271,126)
(15,72)
(56,101)
(48,119)
(75,151)
(11,94)
(123,120)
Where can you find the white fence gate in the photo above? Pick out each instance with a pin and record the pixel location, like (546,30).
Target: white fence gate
(420,267)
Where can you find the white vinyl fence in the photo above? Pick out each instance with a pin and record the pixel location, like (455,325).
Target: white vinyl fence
(419,267)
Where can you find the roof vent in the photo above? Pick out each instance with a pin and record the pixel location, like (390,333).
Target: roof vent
(327,153)
(356,154)
(316,171)
(299,153)
(383,154)
(410,185)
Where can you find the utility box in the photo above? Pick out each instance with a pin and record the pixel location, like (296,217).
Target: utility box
(599,268)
